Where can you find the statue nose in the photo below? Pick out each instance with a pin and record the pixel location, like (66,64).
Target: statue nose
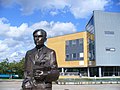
(39,38)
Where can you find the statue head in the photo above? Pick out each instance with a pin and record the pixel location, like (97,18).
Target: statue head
(39,37)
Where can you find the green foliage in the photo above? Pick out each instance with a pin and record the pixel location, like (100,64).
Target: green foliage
(14,67)
(4,66)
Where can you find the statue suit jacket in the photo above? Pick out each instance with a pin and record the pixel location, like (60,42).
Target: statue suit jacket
(44,53)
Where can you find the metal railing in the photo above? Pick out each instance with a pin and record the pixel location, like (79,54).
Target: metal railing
(89,81)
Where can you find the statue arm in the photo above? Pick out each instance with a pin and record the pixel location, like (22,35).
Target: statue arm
(26,66)
(53,62)
(27,82)
(53,74)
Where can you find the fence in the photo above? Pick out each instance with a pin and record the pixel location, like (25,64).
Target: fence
(89,81)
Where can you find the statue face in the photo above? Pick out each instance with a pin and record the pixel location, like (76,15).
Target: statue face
(39,38)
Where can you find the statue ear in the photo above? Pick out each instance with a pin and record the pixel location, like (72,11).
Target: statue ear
(45,39)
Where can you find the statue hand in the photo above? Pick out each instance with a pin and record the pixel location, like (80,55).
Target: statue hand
(27,83)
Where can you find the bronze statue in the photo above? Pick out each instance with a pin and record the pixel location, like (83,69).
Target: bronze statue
(40,67)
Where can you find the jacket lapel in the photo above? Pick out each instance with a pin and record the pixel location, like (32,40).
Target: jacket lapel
(42,53)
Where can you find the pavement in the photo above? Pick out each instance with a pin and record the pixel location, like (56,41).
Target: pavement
(16,85)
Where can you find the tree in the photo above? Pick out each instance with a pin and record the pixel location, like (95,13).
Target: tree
(14,67)
(4,66)
(20,68)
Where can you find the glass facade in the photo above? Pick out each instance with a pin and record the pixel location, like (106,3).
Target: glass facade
(91,49)
(74,50)
(91,43)
(90,26)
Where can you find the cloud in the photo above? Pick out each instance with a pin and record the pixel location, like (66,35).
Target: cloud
(3,47)
(55,28)
(84,8)
(6,3)
(79,8)
(17,31)
(15,41)
(118,3)
(53,13)
(64,28)
(3,26)
(28,6)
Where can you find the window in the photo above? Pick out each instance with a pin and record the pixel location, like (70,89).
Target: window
(110,49)
(73,42)
(67,42)
(81,55)
(81,41)
(89,55)
(73,48)
(67,56)
(74,56)
(109,32)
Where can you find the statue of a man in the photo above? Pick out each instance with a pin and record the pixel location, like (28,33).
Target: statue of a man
(40,67)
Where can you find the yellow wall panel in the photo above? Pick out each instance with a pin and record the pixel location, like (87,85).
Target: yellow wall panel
(58,44)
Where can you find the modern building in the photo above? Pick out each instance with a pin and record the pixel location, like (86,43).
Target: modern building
(94,52)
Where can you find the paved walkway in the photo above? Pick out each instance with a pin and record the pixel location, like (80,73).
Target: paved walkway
(8,85)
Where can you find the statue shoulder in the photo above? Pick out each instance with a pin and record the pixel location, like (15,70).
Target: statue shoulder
(49,49)
(31,51)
